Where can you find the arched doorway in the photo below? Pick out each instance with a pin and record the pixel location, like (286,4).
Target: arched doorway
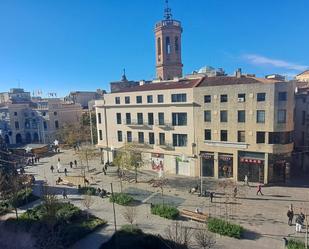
(19,139)
(7,139)
(28,137)
(35,137)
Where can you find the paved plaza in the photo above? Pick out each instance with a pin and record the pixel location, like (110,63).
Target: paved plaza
(264,217)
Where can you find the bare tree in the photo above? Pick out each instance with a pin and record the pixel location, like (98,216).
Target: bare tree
(87,154)
(180,235)
(88,201)
(129,215)
(203,238)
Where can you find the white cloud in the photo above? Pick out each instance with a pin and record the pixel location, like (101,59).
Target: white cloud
(262,60)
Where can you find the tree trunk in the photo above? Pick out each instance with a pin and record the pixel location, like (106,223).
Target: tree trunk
(135,174)
(15,208)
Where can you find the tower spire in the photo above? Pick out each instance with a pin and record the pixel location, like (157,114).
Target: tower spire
(167,12)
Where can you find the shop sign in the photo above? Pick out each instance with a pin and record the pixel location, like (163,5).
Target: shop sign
(250,160)
(157,161)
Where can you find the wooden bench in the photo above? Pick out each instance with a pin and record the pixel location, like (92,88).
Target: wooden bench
(201,217)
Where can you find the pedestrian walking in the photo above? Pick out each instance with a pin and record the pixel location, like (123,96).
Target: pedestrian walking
(104,171)
(64,194)
(105,166)
(58,159)
(75,163)
(298,223)
(212,195)
(290,215)
(259,189)
(235,192)
(65,171)
(58,167)
(52,168)
(246,181)
(71,165)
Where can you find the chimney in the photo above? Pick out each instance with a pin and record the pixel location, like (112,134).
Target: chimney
(238,73)
(142,82)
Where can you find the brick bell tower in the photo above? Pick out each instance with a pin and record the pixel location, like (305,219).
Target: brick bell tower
(168,46)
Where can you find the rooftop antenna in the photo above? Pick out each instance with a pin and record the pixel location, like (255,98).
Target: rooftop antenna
(124,77)
(167,12)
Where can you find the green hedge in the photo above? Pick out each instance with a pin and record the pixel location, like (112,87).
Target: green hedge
(225,228)
(87,191)
(70,222)
(23,197)
(165,211)
(121,199)
(131,229)
(296,244)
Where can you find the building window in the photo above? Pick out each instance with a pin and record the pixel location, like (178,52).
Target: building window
(141,137)
(127,99)
(207,116)
(44,114)
(260,97)
(223,116)
(260,116)
(119,136)
(281,116)
(223,98)
(162,138)
(45,125)
(16,125)
(223,135)
(241,97)
(176,44)
(161,118)
(55,113)
(280,137)
(118,117)
(167,45)
(282,96)
(207,98)
(179,97)
(139,99)
(27,124)
(117,100)
(15,113)
(207,134)
(100,135)
(303,121)
(128,118)
(180,140)
(99,118)
(241,116)
(149,99)
(260,137)
(150,118)
(129,136)
(159,45)
(140,120)
(56,124)
(160,98)
(151,138)
(179,119)
(241,136)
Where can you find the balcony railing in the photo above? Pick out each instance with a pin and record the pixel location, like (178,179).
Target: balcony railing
(165,145)
(164,125)
(144,145)
(137,123)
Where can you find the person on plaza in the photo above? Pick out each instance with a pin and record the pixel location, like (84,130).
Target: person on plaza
(71,165)
(52,168)
(194,189)
(99,191)
(290,215)
(22,170)
(104,171)
(235,192)
(58,180)
(58,167)
(59,159)
(259,189)
(246,181)
(198,211)
(64,194)
(105,166)
(65,171)
(32,161)
(38,158)
(75,163)
(212,195)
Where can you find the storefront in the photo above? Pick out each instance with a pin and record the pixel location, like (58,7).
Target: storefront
(251,164)
(207,163)
(225,165)
(278,165)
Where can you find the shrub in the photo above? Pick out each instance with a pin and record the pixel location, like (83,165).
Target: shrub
(165,211)
(295,244)
(87,191)
(128,228)
(121,198)
(225,228)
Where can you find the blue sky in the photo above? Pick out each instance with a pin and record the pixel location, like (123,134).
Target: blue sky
(63,45)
